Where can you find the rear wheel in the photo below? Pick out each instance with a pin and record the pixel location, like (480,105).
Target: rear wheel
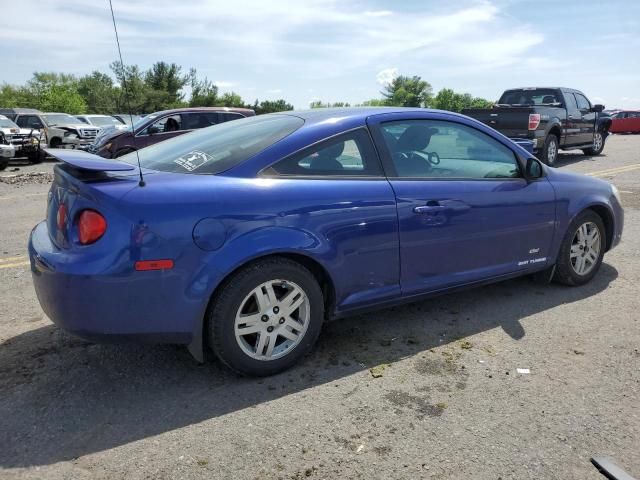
(582,250)
(549,153)
(598,145)
(266,317)
(4,164)
(36,157)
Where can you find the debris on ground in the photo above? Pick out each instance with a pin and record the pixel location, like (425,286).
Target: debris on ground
(27,178)
(466,345)
(378,371)
(522,370)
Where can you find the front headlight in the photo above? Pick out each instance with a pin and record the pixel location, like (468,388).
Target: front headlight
(616,193)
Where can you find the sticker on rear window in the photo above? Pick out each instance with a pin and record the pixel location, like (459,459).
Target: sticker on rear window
(192,160)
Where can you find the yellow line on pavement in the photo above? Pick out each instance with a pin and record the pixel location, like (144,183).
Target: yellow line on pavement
(13,265)
(613,171)
(12,259)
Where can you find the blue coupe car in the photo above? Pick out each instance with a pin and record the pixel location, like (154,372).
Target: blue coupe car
(245,236)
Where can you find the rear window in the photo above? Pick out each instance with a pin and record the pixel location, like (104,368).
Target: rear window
(215,149)
(528,97)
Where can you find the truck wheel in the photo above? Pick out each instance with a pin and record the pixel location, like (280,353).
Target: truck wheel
(598,145)
(36,157)
(549,153)
(55,142)
(3,164)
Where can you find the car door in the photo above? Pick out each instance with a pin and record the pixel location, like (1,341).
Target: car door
(465,212)
(162,129)
(574,120)
(587,120)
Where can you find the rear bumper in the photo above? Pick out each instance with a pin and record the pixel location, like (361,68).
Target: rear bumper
(106,300)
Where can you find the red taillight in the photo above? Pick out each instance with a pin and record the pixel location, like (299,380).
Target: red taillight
(91,226)
(534,121)
(144,265)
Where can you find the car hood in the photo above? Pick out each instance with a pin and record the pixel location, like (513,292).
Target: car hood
(77,126)
(562,176)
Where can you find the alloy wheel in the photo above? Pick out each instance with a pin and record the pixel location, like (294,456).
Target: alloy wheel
(585,248)
(552,153)
(272,320)
(597,141)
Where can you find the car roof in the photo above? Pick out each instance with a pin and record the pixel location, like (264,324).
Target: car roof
(204,109)
(319,115)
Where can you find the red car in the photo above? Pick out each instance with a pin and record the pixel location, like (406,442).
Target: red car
(625,121)
(161,126)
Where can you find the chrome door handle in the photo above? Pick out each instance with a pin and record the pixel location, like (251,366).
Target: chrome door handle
(429,208)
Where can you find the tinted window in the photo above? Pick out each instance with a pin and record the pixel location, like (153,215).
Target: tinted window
(351,154)
(571,101)
(172,123)
(437,149)
(29,121)
(230,116)
(583,103)
(194,120)
(217,148)
(530,96)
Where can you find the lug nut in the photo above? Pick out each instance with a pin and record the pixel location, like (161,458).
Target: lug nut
(269,329)
(281,320)
(265,318)
(276,309)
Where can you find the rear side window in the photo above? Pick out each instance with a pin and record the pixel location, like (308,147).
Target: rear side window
(350,154)
(29,121)
(217,148)
(530,96)
(571,101)
(226,117)
(195,120)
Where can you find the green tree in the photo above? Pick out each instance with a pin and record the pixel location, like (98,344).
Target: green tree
(374,102)
(133,89)
(447,99)
(320,104)
(99,93)
(407,92)
(270,106)
(56,92)
(203,92)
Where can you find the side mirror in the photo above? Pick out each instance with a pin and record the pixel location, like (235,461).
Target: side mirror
(597,108)
(533,169)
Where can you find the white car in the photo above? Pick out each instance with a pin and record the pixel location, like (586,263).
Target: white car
(102,121)
(19,142)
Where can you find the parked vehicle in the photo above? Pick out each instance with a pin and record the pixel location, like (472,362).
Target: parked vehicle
(554,118)
(103,121)
(625,121)
(25,141)
(61,130)
(7,151)
(127,118)
(246,235)
(161,126)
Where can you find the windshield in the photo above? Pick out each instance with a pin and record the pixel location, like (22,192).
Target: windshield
(533,96)
(104,121)
(215,149)
(6,123)
(61,119)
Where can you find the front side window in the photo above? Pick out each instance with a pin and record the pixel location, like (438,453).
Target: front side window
(216,149)
(350,154)
(583,103)
(439,149)
(172,123)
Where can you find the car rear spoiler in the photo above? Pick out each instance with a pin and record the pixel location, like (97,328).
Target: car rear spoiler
(82,160)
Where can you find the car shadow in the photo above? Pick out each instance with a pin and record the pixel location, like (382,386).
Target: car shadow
(62,398)
(569,158)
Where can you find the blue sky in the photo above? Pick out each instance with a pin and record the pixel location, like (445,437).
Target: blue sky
(304,50)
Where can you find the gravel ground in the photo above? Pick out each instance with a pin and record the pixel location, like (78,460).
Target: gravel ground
(427,390)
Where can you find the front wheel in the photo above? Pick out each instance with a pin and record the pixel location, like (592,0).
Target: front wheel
(266,317)
(550,150)
(3,164)
(582,250)
(598,145)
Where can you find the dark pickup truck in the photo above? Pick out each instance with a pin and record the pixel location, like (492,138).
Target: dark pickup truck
(553,118)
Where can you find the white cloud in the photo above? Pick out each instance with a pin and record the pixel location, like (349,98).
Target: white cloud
(386,76)
(224,84)
(378,13)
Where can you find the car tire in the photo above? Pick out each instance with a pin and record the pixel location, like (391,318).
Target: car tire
(4,164)
(55,143)
(36,157)
(598,144)
(549,154)
(577,252)
(266,343)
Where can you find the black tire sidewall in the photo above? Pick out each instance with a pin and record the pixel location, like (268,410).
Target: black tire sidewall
(220,328)
(593,151)
(3,164)
(545,149)
(564,271)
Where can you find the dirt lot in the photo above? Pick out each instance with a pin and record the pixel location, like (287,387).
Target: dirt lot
(449,402)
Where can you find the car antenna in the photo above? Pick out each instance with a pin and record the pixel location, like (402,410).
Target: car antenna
(126,96)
